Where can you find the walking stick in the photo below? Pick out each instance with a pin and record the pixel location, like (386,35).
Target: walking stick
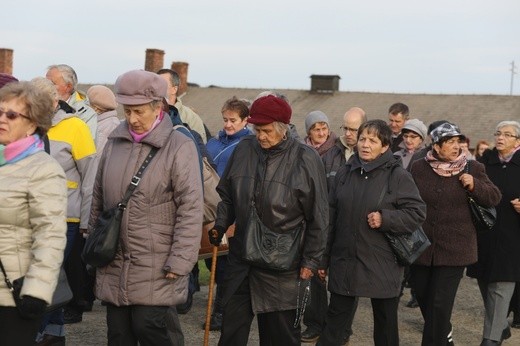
(210,294)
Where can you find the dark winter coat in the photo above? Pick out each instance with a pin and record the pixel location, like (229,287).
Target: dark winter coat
(499,249)
(448,224)
(333,160)
(361,260)
(290,188)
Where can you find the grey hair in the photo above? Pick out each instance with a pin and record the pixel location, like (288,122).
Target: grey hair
(279,127)
(512,123)
(45,86)
(68,74)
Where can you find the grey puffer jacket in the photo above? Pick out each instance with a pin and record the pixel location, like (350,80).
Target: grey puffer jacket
(161,225)
(290,188)
(361,261)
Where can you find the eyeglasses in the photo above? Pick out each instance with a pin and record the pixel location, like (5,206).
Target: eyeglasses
(506,135)
(12,115)
(348,129)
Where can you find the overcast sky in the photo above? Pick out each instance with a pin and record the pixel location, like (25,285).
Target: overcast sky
(443,46)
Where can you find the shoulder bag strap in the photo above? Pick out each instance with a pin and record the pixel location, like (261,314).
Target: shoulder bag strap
(137,178)
(6,279)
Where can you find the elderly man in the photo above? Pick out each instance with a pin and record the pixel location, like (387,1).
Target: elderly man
(398,113)
(66,81)
(187,115)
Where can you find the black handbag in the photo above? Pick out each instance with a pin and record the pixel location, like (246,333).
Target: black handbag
(61,296)
(101,245)
(407,247)
(484,218)
(271,250)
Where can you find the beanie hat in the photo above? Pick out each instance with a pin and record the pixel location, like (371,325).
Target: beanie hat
(138,87)
(315,117)
(416,126)
(268,109)
(6,79)
(102,97)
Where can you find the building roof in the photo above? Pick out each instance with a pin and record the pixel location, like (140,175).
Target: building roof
(476,115)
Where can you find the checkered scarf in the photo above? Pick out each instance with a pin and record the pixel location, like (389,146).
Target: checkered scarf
(446,168)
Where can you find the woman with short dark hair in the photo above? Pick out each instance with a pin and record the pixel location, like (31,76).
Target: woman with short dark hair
(359,259)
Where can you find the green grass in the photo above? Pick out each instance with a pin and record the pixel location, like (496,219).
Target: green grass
(203,274)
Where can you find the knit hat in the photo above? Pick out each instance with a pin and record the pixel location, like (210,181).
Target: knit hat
(313,118)
(268,109)
(6,79)
(138,87)
(102,97)
(416,126)
(446,130)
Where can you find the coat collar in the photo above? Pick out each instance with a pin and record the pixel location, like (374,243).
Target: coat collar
(156,138)
(490,157)
(387,159)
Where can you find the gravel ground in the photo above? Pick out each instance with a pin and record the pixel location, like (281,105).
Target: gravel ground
(467,320)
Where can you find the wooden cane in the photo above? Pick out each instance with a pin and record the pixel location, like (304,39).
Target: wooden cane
(210,294)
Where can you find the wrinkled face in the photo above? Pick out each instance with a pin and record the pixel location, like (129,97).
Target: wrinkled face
(172,90)
(319,133)
(396,122)
(351,125)
(12,130)
(141,117)
(449,150)
(411,140)
(369,146)
(481,148)
(64,89)
(506,140)
(232,122)
(267,135)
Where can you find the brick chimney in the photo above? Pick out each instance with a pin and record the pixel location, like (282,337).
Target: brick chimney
(182,69)
(6,60)
(154,60)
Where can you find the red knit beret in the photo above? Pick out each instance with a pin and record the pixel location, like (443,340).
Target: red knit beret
(269,109)
(6,79)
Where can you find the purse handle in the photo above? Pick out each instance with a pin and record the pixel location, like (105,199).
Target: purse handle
(6,279)
(136,179)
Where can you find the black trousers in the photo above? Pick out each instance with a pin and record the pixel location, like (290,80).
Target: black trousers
(77,275)
(15,330)
(435,289)
(386,329)
(128,325)
(274,328)
(316,311)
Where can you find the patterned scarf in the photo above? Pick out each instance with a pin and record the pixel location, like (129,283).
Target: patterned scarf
(20,149)
(446,168)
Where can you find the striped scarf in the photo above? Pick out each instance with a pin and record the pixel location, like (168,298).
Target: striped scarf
(446,168)
(20,149)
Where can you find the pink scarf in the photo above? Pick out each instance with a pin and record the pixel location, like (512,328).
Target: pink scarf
(446,168)
(139,137)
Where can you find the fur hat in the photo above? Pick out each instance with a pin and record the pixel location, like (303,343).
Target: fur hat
(315,117)
(268,109)
(102,97)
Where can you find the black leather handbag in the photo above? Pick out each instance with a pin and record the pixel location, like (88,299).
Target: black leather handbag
(407,247)
(484,218)
(101,245)
(61,296)
(271,250)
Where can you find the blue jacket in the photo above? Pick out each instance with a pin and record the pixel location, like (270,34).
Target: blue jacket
(220,148)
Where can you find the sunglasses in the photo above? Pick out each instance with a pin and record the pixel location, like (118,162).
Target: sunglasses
(12,115)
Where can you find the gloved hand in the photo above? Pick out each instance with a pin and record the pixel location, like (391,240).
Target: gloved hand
(31,308)
(215,235)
